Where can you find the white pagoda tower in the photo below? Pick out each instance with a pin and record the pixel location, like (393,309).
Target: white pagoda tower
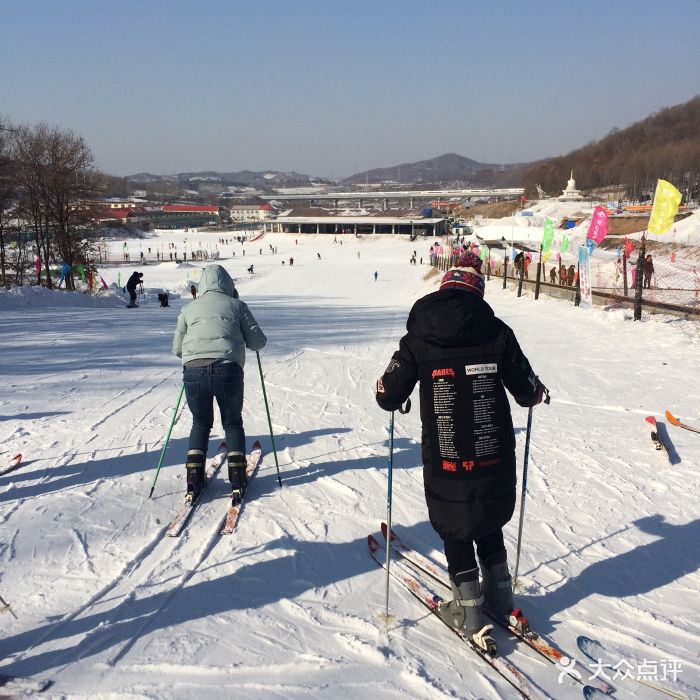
(570,194)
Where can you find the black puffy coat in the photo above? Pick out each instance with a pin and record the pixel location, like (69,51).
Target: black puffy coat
(463,357)
(134,281)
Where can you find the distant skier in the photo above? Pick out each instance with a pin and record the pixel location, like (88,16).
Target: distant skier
(463,356)
(211,338)
(291,262)
(131,285)
(648,271)
(318,255)
(193,291)
(376,274)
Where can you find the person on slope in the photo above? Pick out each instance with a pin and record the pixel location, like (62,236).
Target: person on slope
(464,358)
(211,337)
(133,282)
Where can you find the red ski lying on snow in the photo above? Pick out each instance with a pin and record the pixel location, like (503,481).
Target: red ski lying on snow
(15,463)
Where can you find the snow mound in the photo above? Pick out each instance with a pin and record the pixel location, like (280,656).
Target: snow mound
(23,297)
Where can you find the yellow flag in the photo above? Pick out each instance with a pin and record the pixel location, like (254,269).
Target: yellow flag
(546,256)
(666,201)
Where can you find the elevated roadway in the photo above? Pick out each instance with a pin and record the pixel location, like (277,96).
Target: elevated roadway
(386,195)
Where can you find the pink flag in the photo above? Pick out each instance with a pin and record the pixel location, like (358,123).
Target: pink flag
(599,225)
(37,265)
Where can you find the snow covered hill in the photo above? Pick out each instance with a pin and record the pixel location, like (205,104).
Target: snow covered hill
(288,606)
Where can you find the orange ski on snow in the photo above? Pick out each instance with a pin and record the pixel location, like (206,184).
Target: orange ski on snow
(672,419)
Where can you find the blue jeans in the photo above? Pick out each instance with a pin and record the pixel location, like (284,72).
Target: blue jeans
(222,381)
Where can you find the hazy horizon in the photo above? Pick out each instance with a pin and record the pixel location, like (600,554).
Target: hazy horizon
(331,89)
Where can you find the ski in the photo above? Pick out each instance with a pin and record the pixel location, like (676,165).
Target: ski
(15,463)
(430,600)
(673,420)
(22,685)
(656,438)
(534,640)
(234,509)
(183,515)
(595,651)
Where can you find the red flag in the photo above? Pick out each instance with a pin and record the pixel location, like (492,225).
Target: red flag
(629,247)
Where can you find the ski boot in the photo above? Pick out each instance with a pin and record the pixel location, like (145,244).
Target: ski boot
(237,475)
(465,612)
(195,474)
(498,593)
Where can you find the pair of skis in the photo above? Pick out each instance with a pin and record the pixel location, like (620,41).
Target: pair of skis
(415,571)
(178,523)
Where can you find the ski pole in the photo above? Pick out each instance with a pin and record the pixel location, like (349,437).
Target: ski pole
(522,495)
(524,488)
(402,410)
(388,513)
(269,421)
(167,438)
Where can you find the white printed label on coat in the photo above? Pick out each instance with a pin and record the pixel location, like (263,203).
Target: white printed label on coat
(490,368)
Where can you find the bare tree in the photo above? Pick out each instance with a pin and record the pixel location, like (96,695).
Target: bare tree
(55,173)
(6,197)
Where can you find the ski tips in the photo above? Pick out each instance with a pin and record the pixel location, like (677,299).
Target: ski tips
(372,543)
(16,459)
(671,418)
(384,532)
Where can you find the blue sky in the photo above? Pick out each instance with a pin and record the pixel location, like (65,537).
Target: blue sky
(331,88)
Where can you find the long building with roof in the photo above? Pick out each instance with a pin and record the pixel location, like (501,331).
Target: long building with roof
(317,220)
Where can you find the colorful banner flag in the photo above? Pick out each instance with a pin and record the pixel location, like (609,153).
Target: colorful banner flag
(629,247)
(584,278)
(565,244)
(482,253)
(663,213)
(548,235)
(599,225)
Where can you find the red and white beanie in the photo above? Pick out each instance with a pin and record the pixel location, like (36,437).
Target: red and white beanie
(466,275)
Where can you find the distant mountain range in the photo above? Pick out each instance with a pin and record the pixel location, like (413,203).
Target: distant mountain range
(264,180)
(448,168)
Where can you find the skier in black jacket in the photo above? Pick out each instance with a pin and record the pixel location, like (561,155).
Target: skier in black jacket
(131,285)
(463,357)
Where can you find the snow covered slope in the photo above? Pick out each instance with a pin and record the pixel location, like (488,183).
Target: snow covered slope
(287,607)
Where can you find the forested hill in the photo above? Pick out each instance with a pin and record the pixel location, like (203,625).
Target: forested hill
(664,145)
